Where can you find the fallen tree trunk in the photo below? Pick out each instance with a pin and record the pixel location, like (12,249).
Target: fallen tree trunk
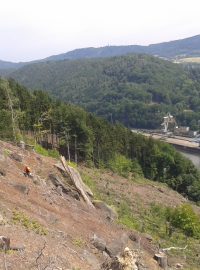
(77,181)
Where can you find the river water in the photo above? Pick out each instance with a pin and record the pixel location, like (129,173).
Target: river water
(195,158)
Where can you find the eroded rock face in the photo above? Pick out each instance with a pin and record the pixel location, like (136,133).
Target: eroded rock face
(127,261)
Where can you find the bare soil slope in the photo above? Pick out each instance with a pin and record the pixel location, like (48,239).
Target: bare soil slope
(55,230)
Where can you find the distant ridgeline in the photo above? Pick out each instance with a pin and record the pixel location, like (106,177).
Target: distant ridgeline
(95,141)
(136,90)
(172,50)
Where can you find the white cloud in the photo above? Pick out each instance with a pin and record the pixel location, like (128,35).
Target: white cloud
(35,29)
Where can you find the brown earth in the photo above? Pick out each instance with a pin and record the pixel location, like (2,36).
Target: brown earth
(69,225)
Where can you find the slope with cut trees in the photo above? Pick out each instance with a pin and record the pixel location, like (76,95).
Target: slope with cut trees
(93,140)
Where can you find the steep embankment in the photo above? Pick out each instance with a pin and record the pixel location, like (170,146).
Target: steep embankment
(55,228)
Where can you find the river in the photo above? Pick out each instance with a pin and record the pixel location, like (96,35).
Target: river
(195,158)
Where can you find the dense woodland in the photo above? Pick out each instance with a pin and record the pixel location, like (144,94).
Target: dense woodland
(95,141)
(136,90)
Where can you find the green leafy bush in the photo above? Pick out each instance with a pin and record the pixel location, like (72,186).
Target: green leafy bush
(121,165)
(48,153)
(53,153)
(184,218)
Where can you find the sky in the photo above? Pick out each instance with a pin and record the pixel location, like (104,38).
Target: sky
(35,29)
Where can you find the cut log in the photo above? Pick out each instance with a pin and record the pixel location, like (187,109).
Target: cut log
(77,181)
(86,188)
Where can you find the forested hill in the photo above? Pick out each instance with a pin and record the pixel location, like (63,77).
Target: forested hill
(172,49)
(4,65)
(137,90)
(94,140)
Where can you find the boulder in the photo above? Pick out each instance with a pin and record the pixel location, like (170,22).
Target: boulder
(22,188)
(99,243)
(109,212)
(15,157)
(91,259)
(134,237)
(2,172)
(115,247)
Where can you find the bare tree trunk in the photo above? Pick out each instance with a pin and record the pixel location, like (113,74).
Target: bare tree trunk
(10,104)
(75,149)
(68,150)
(5,262)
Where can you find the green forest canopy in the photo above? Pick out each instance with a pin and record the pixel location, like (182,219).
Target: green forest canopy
(136,90)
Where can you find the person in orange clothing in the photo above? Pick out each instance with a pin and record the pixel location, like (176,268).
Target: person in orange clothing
(27,171)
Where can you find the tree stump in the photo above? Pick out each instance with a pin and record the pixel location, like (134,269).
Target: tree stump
(161,258)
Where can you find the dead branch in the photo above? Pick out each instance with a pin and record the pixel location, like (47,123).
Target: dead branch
(40,254)
(5,262)
(167,249)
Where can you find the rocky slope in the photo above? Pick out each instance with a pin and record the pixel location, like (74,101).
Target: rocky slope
(51,228)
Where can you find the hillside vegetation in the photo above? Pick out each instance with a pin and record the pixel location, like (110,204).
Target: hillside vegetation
(93,140)
(135,90)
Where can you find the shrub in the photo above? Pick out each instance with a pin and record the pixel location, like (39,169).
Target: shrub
(121,165)
(53,153)
(184,218)
(136,168)
(48,153)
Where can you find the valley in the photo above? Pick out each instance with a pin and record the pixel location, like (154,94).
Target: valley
(124,196)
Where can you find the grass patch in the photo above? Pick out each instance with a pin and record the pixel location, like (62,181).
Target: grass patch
(126,217)
(92,185)
(20,218)
(6,152)
(47,153)
(72,164)
(157,220)
(78,242)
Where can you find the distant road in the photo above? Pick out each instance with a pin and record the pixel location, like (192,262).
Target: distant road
(184,142)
